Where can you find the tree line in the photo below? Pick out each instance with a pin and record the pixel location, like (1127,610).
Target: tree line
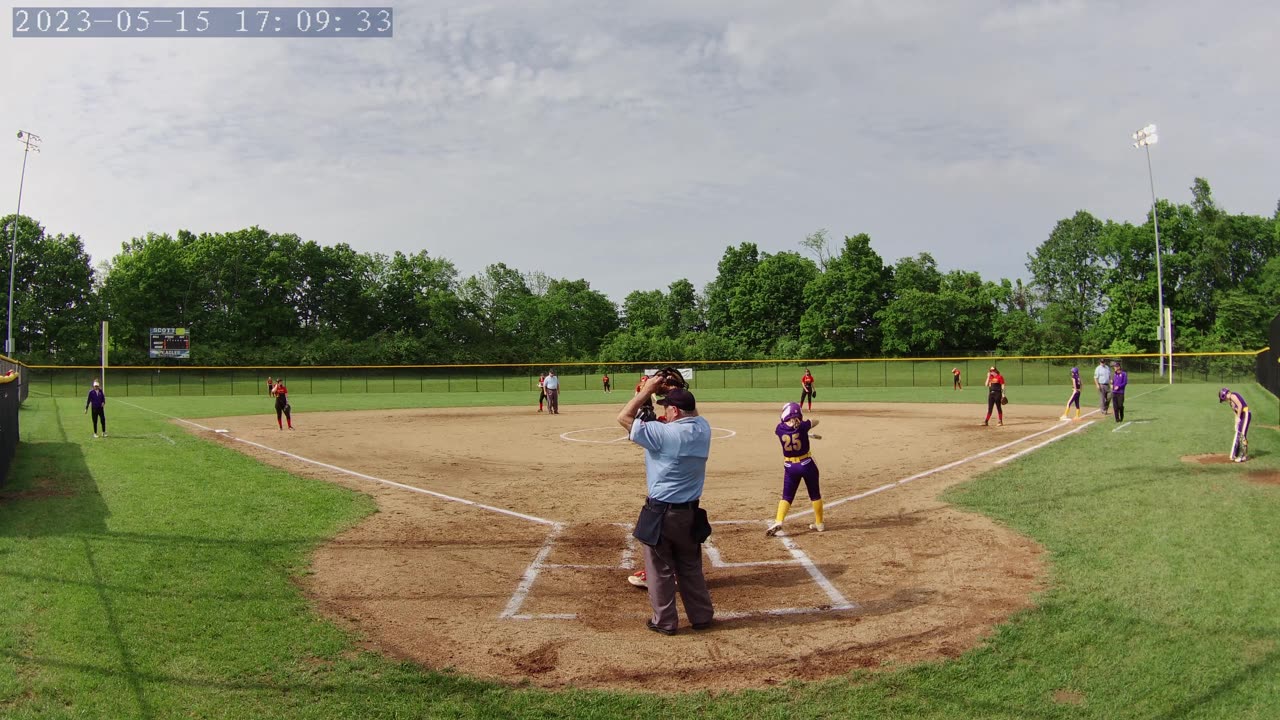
(251,297)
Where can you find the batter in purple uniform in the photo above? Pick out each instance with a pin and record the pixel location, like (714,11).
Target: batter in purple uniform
(798,464)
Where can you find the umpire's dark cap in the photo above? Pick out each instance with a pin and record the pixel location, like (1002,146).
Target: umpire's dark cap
(681,398)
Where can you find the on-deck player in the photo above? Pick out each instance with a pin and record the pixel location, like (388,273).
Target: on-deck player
(1240,445)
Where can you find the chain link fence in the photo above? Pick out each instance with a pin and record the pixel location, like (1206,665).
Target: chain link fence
(61,381)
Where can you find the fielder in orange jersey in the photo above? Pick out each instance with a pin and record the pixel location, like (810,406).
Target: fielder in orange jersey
(284,411)
(995,395)
(542,390)
(955,379)
(1075,396)
(1240,445)
(806,388)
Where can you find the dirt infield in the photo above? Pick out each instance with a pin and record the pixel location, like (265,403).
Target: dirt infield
(513,566)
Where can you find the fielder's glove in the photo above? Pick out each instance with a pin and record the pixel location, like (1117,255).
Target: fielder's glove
(647,413)
(1004,399)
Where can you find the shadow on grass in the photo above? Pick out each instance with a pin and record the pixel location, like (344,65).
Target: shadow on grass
(50,490)
(1267,667)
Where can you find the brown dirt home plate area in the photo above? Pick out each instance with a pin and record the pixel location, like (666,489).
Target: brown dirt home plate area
(501,550)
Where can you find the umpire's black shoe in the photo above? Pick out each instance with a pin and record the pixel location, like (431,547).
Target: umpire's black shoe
(659,629)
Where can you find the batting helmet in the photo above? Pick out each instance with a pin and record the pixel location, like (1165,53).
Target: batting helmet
(1075,372)
(1222,394)
(791,411)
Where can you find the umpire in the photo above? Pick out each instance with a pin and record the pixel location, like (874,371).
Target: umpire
(671,526)
(1102,379)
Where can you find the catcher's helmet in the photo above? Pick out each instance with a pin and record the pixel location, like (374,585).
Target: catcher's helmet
(1222,394)
(791,411)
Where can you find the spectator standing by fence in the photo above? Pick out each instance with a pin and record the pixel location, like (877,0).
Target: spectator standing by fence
(97,401)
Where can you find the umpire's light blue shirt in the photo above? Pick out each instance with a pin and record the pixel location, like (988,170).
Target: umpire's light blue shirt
(1102,374)
(675,459)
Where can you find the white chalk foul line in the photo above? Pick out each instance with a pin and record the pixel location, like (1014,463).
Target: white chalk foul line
(1053,439)
(838,601)
(531,574)
(926,473)
(362,476)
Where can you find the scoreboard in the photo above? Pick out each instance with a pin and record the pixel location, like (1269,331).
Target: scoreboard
(170,343)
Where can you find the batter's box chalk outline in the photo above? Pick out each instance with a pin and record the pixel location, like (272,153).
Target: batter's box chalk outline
(839,603)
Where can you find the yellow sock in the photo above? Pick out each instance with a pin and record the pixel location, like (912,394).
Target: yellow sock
(817,511)
(783,507)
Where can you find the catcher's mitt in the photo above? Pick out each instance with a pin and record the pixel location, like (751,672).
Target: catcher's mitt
(671,379)
(1004,399)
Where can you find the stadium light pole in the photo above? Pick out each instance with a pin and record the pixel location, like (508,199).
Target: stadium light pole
(31,143)
(1145,138)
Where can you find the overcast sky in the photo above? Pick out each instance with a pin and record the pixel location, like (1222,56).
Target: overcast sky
(630,143)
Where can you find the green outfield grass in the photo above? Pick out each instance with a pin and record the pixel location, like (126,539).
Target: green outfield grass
(150,575)
(843,375)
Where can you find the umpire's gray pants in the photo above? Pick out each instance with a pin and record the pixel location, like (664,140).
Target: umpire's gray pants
(1104,397)
(677,558)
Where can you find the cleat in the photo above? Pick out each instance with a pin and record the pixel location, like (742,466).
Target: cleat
(773,529)
(95,434)
(1064,417)
(817,527)
(1000,423)
(984,423)
(638,579)
(659,629)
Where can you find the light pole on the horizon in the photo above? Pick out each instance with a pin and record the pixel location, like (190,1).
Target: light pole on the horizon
(31,143)
(1145,138)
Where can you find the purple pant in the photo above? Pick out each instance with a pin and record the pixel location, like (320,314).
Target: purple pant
(793,473)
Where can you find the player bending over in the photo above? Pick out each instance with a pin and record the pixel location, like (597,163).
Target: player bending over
(1239,445)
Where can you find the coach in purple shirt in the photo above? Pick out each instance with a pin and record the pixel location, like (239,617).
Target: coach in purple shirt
(1119,381)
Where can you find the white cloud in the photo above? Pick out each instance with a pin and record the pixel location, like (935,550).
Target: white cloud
(567,137)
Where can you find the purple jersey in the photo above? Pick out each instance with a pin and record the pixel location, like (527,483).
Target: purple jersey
(1119,381)
(795,441)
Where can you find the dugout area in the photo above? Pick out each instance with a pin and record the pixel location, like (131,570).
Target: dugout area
(501,544)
